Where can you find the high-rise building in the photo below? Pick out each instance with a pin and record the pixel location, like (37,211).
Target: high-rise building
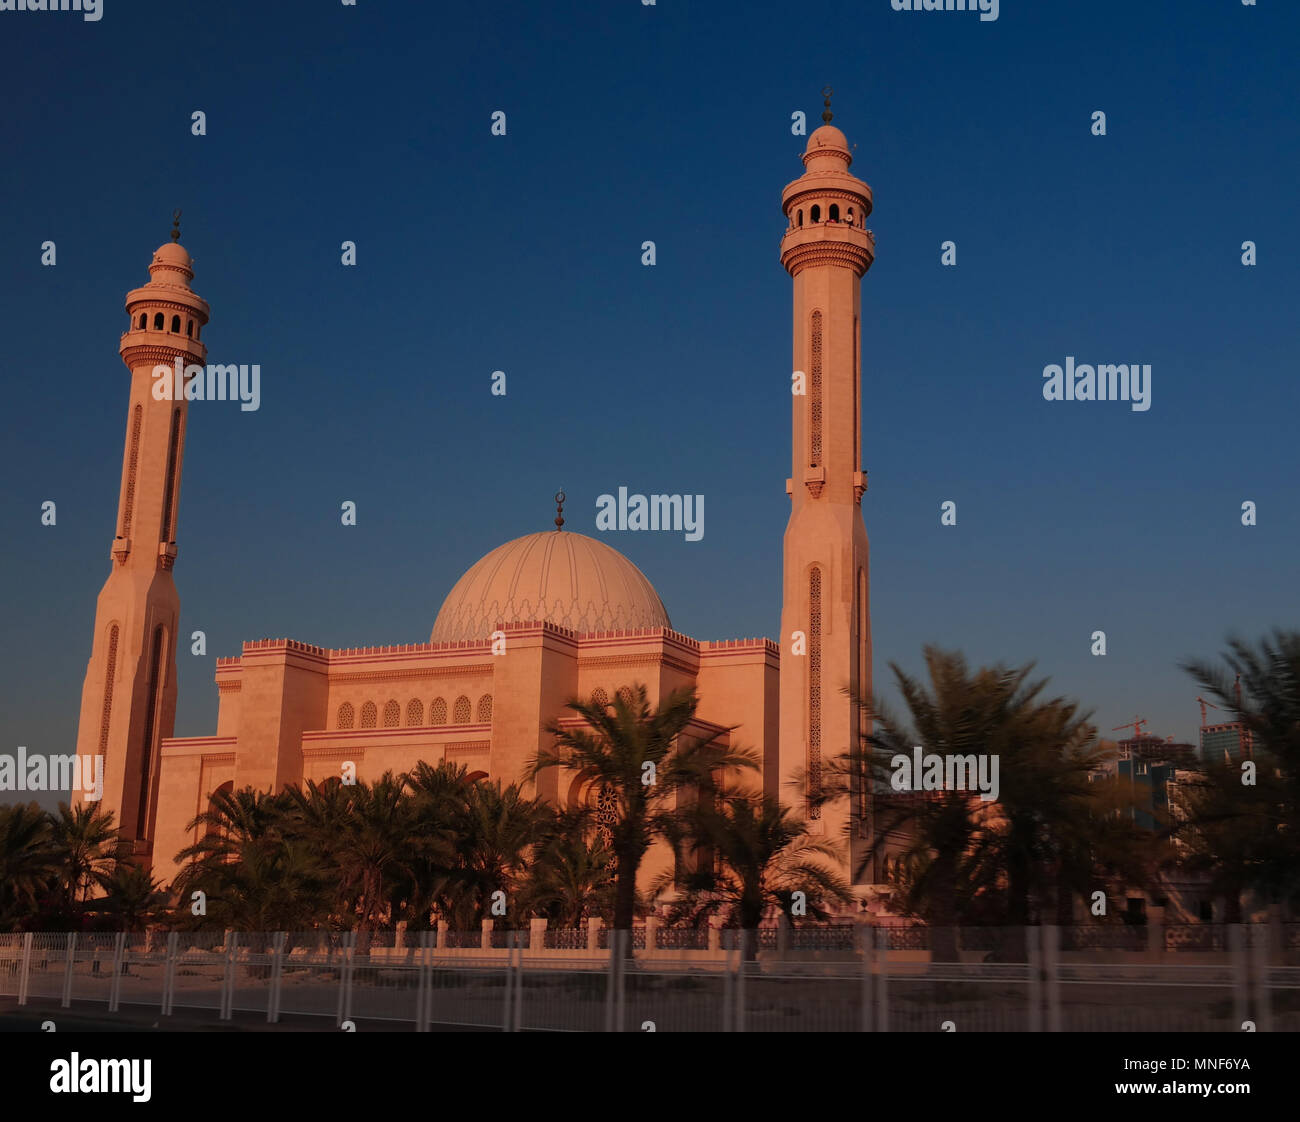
(1230,742)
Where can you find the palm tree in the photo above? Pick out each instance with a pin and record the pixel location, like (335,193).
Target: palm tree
(254,872)
(1247,835)
(502,829)
(371,843)
(752,854)
(641,759)
(1235,835)
(440,815)
(89,847)
(233,819)
(962,858)
(131,896)
(280,885)
(29,861)
(572,875)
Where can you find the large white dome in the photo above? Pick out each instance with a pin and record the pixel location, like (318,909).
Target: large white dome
(554,576)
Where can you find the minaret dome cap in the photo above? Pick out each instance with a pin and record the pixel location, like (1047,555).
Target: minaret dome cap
(828,141)
(172,264)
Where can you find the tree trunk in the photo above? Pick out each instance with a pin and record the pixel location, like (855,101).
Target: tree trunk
(625,896)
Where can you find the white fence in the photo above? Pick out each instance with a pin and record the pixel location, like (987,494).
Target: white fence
(852,978)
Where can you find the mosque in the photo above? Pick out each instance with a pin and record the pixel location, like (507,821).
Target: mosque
(539,620)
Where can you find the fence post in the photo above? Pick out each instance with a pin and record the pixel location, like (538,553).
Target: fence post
(536,934)
(623,940)
(1052,975)
(277,961)
(651,934)
(67,972)
(745,936)
(343,1010)
(1035,938)
(507,1020)
(228,978)
(593,935)
(882,979)
(423,985)
(1240,966)
(485,935)
(519,986)
(169,973)
(26,968)
(119,964)
(867,947)
(1259,953)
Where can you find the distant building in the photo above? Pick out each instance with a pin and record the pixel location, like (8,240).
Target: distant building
(1150,765)
(1226,743)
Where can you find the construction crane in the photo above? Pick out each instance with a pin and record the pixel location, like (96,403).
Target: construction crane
(1204,703)
(1135,725)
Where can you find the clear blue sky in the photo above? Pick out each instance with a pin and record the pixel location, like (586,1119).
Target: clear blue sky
(522,253)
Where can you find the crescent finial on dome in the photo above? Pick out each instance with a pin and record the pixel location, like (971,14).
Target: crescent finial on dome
(559,510)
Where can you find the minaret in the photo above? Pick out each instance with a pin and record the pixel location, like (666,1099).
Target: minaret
(826,250)
(128,703)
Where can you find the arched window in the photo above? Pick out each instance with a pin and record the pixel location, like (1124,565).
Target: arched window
(414,712)
(158,321)
(347,715)
(835,212)
(625,694)
(189,328)
(438,711)
(392,714)
(599,698)
(176,324)
(144,319)
(485,708)
(460,712)
(368,713)
(800,214)
(816,214)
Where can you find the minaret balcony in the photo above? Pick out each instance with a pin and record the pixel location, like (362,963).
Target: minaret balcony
(828,243)
(142,345)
